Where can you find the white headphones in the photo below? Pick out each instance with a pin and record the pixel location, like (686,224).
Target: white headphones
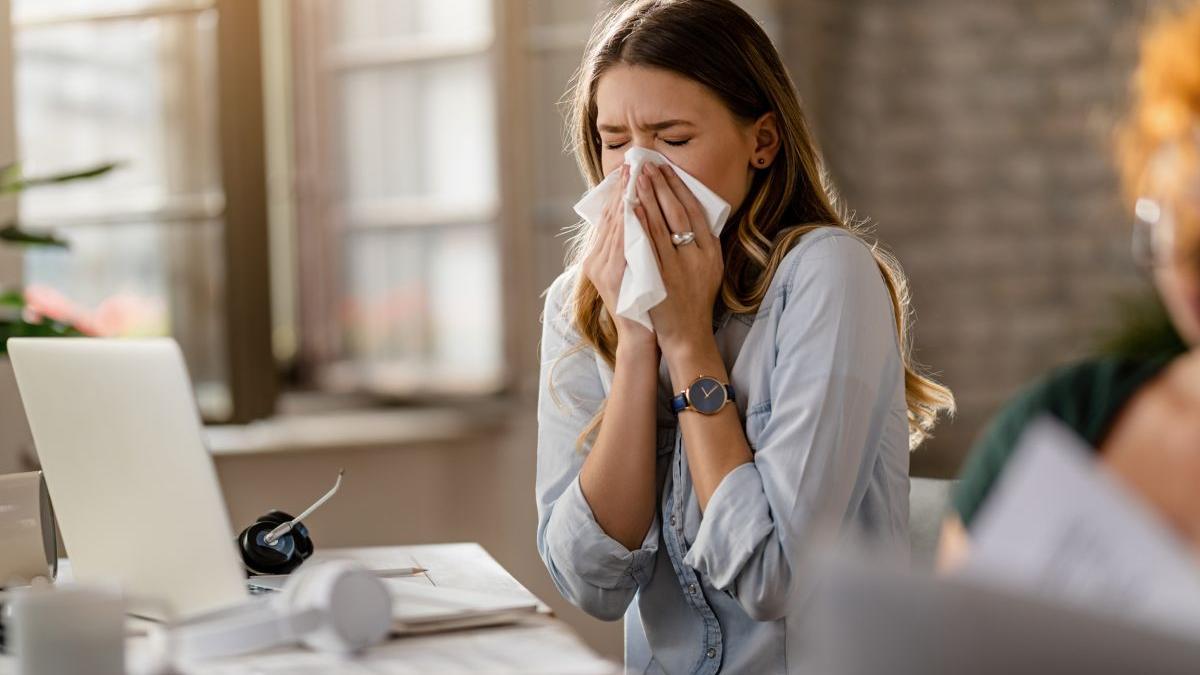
(336,606)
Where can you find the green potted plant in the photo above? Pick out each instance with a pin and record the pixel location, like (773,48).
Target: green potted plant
(22,314)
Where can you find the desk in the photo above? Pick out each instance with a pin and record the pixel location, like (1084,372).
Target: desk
(538,644)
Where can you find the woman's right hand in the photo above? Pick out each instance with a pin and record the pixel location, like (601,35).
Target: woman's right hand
(604,266)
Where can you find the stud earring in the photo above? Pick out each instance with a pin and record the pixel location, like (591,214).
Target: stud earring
(762,160)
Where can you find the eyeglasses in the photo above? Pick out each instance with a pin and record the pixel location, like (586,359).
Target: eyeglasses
(1154,222)
(1153,241)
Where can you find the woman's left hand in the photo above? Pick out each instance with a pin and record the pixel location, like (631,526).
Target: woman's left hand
(692,272)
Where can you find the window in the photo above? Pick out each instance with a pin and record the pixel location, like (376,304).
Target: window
(398,195)
(140,82)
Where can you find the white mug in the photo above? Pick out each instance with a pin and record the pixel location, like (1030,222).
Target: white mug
(28,547)
(66,630)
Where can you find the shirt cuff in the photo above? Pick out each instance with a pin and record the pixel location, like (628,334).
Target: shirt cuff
(734,525)
(582,545)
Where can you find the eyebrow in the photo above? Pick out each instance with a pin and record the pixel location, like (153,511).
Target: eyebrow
(655,126)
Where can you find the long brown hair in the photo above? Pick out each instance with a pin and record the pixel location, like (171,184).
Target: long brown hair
(717,44)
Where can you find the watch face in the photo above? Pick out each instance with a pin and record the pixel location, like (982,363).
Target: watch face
(706,395)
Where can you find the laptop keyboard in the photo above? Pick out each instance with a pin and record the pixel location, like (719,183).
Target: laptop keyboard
(255,589)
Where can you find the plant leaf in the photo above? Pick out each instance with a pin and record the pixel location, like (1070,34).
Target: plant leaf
(12,299)
(15,235)
(11,180)
(22,328)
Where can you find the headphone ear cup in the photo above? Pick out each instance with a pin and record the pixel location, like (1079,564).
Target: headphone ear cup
(303,541)
(261,558)
(356,606)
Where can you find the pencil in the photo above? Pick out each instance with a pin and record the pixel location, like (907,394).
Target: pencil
(399,571)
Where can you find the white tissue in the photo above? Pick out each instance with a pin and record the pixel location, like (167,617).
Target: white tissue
(642,285)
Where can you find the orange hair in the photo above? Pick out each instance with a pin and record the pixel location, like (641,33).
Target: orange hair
(1158,142)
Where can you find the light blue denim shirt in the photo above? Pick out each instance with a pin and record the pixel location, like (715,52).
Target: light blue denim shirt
(820,388)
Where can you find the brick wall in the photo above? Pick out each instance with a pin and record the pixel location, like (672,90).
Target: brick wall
(976,135)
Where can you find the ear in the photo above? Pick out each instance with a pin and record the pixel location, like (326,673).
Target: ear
(765,132)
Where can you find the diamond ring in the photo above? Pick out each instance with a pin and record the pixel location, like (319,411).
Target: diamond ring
(683,238)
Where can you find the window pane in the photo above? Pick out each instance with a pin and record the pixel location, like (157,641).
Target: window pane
(425,301)
(419,130)
(138,92)
(387,303)
(373,20)
(143,280)
(465,300)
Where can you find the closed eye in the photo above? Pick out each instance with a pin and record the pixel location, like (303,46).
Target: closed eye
(618,146)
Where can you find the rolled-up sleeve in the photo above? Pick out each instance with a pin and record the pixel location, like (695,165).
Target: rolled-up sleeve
(591,569)
(836,380)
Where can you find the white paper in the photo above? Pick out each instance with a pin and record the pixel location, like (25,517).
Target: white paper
(642,285)
(413,603)
(1058,525)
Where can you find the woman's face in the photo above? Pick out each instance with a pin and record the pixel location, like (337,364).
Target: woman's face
(1178,281)
(661,110)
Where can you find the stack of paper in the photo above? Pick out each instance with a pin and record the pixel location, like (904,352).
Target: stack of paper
(418,608)
(1060,526)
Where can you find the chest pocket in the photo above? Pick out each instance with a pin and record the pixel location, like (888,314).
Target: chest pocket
(756,421)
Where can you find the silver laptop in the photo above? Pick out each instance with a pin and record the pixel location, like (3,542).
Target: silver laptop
(119,437)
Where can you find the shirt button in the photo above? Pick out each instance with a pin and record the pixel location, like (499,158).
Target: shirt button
(711,653)
(672,521)
(692,589)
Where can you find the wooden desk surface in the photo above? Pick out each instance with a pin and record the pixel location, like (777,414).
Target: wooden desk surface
(538,644)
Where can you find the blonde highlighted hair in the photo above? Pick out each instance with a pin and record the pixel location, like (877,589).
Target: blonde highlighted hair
(717,44)
(1159,139)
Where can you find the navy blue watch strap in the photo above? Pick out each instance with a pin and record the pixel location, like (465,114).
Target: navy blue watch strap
(678,403)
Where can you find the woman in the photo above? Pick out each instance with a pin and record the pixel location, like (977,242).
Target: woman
(1140,413)
(701,519)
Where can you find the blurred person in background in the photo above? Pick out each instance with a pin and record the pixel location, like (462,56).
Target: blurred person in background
(692,526)
(1141,413)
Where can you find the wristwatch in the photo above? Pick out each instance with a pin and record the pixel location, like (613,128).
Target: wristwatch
(706,395)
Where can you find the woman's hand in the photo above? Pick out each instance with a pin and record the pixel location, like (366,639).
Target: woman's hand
(691,272)
(604,265)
